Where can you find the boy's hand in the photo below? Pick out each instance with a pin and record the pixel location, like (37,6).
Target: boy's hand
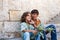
(34,32)
(31,22)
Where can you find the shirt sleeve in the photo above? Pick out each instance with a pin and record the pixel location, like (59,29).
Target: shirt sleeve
(42,24)
(31,27)
(22,27)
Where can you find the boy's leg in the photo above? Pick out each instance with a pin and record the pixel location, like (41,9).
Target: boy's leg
(53,33)
(37,37)
(44,34)
(32,37)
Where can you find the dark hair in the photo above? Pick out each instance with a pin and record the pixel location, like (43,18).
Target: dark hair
(23,17)
(35,11)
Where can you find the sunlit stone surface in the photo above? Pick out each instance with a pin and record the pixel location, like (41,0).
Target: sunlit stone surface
(11,11)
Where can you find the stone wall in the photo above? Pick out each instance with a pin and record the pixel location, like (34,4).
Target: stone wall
(11,11)
(47,8)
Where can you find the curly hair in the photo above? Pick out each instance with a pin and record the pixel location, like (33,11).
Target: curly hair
(23,17)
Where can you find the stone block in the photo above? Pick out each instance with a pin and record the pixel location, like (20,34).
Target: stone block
(14,4)
(15,14)
(1,27)
(11,29)
(4,15)
(11,26)
(1,4)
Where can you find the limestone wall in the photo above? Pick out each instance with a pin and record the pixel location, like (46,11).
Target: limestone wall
(11,11)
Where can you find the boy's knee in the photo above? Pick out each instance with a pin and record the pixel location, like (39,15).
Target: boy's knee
(53,26)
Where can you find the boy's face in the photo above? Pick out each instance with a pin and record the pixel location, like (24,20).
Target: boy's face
(34,16)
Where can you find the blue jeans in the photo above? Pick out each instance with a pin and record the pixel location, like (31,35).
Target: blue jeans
(44,36)
(53,34)
(27,36)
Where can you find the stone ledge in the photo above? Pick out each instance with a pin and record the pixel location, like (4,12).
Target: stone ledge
(1,27)
(9,26)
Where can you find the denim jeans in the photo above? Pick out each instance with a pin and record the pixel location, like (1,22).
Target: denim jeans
(53,34)
(44,36)
(28,35)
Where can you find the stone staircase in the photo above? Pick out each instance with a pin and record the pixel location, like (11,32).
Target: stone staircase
(56,20)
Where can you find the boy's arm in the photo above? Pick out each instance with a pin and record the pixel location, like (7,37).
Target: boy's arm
(33,31)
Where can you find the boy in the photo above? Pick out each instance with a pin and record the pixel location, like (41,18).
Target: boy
(35,14)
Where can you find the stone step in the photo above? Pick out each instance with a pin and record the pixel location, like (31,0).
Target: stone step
(57,28)
(11,39)
(58,36)
(55,20)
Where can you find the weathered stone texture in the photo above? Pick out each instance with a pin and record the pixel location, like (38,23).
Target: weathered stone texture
(11,11)
(15,14)
(11,26)
(1,27)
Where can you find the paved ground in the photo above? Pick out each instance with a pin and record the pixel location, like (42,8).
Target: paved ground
(58,38)
(12,39)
